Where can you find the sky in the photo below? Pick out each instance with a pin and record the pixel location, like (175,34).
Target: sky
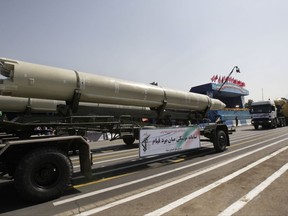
(177,43)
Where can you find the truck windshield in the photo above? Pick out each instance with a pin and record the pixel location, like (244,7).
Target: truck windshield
(261,109)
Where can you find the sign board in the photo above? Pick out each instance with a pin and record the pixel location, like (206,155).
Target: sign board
(167,140)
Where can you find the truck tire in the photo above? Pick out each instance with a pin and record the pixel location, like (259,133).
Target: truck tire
(281,122)
(220,141)
(129,140)
(273,124)
(256,126)
(43,174)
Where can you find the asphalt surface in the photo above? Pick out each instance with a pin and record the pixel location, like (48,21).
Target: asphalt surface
(249,178)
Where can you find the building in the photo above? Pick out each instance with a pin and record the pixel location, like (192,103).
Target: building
(232,93)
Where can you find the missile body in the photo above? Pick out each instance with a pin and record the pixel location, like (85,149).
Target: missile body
(22,79)
(21,106)
(38,106)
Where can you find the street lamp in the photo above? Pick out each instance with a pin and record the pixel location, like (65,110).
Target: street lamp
(237,71)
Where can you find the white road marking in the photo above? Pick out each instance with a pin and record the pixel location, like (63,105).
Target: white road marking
(235,207)
(72,199)
(109,160)
(201,191)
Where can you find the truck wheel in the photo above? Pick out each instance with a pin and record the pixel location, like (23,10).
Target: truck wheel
(220,141)
(43,174)
(129,140)
(273,124)
(256,127)
(281,122)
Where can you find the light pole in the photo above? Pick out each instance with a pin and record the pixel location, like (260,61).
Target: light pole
(237,71)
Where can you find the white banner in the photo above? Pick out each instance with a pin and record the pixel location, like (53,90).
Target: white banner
(167,140)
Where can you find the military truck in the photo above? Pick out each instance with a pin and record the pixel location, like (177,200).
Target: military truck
(46,112)
(269,114)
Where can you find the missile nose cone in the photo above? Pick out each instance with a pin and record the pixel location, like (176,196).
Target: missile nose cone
(217,104)
(223,105)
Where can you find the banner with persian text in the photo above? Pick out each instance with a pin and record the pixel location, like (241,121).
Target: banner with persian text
(168,140)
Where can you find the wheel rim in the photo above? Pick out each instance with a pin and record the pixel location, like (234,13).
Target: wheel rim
(46,175)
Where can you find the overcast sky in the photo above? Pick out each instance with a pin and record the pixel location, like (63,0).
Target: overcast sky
(177,43)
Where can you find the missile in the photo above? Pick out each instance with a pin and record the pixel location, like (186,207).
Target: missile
(23,79)
(24,106)
(35,105)
(40,106)
(21,105)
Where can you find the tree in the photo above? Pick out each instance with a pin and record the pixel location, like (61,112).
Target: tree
(248,104)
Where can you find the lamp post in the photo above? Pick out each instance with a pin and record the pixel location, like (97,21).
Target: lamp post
(237,71)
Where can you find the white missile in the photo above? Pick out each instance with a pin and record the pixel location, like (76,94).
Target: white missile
(22,79)
(22,105)
(35,105)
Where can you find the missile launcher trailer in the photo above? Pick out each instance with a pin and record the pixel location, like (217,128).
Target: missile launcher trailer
(72,103)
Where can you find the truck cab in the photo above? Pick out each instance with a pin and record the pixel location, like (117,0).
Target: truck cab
(264,113)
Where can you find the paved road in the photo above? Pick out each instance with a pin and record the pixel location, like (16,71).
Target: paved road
(249,178)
